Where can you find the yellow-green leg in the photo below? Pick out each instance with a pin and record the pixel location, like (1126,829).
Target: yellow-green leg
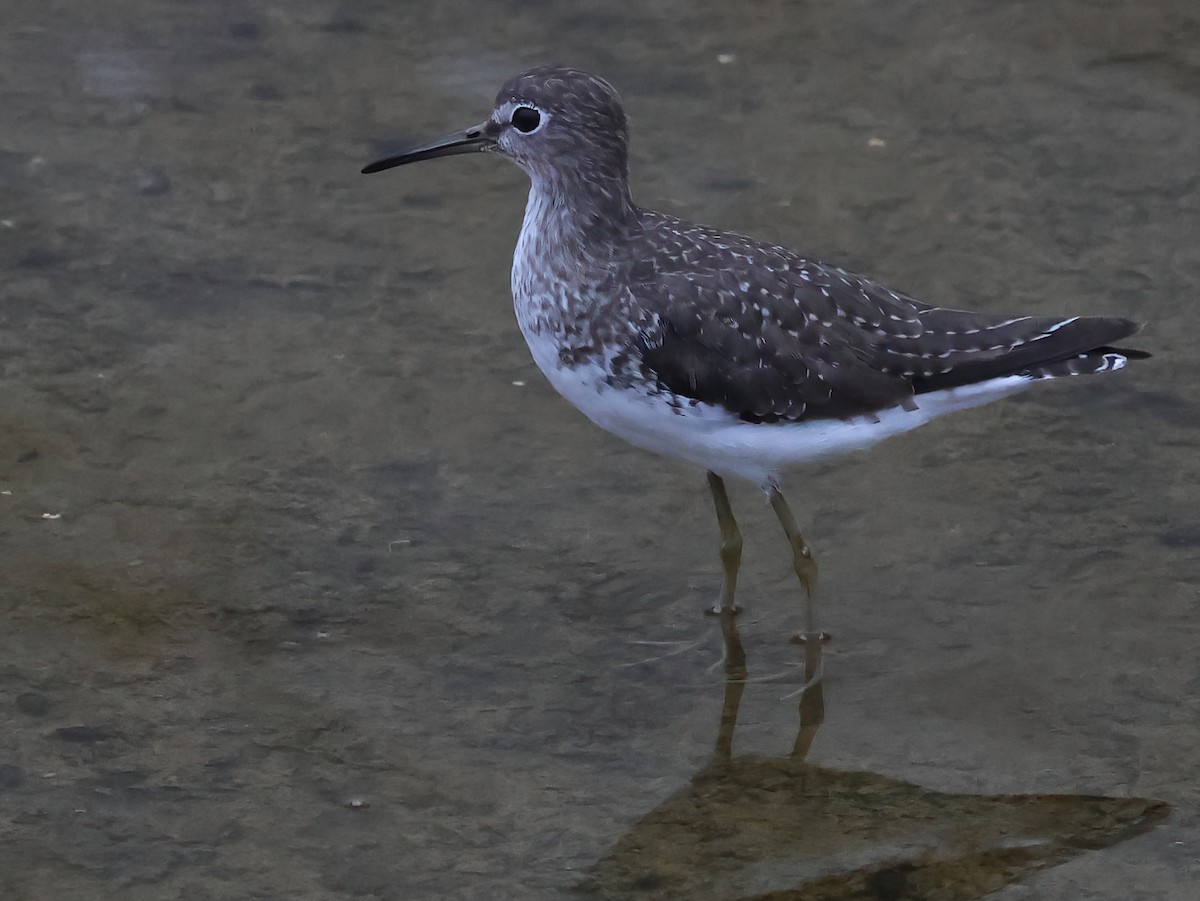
(806,571)
(731,546)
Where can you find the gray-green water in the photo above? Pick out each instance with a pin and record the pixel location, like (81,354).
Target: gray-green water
(311,588)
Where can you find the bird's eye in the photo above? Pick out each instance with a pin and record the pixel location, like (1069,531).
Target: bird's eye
(526,119)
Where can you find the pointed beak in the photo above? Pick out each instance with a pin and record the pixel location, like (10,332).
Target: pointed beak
(470,140)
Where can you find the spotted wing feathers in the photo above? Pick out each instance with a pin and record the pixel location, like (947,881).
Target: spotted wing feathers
(773,337)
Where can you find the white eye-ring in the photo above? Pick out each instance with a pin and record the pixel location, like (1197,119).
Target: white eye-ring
(526,119)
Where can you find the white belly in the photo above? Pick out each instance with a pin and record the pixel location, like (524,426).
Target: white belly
(715,439)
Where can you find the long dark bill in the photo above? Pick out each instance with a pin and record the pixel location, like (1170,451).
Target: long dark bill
(470,140)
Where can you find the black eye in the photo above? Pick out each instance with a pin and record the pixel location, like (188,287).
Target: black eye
(525,119)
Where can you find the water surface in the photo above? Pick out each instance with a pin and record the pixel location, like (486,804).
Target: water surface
(311,588)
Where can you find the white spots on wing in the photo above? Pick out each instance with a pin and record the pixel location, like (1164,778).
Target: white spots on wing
(783,325)
(1054,328)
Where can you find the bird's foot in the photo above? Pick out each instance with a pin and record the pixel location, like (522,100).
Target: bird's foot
(806,637)
(719,610)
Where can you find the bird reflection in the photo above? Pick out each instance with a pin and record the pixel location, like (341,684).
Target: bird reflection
(779,828)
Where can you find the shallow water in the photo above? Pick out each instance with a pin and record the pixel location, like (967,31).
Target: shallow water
(311,588)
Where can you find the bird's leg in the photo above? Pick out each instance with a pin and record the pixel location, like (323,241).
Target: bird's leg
(731,547)
(806,572)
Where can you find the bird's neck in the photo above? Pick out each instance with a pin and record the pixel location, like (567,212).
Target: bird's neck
(580,215)
(573,245)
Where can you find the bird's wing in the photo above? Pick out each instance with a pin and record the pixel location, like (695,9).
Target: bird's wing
(773,337)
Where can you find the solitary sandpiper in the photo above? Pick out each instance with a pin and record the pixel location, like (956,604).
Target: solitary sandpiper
(744,358)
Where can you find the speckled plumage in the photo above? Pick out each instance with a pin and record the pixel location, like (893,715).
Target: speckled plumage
(689,322)
(773,337)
